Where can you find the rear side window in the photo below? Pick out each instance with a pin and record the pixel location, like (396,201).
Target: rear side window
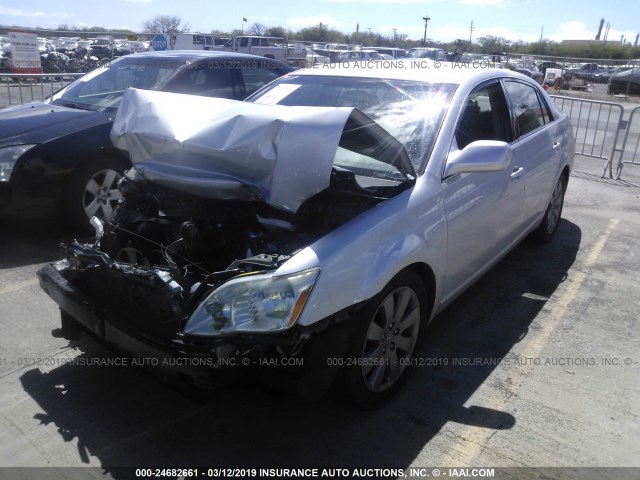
(546,111)
(258,75)
(207,80)
(528,108)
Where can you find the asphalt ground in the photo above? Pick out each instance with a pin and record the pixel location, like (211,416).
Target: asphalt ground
(542,370)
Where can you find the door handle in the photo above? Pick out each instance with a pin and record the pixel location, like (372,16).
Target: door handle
(556,145)
(517,171)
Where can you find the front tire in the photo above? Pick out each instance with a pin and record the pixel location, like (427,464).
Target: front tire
(549,225)
(384,341)
(93,191)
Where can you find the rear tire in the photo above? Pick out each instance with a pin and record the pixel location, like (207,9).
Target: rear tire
(384,340)
(549,225)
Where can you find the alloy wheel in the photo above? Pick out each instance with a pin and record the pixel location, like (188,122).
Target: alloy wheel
(390,339)
(555,207)
(101,194)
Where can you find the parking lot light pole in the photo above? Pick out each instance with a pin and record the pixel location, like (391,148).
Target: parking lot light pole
(426,22)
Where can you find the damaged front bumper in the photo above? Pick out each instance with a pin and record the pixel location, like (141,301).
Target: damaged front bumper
(139,313)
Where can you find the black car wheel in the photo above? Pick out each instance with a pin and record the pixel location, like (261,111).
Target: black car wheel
(549,225)
(94,191)
(384,341)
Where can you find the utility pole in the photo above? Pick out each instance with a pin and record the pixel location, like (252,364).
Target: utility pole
(426,22)
(395,36)
(471,29)
(541,31)
(600,29)
(369,28)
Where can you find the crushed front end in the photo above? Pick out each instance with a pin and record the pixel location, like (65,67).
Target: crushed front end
(179,276)
(189,267)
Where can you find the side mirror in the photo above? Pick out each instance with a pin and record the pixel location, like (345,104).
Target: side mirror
(479,156)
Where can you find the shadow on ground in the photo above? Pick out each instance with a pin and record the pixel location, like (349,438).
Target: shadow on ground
(27,242)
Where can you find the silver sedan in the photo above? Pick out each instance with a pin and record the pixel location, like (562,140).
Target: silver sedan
(329,218)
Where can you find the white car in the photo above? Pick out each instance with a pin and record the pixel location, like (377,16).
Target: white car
(328,220)
(437,54)
(360,55)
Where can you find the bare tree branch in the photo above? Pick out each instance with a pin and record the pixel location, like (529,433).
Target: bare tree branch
(165,24)
(257,29)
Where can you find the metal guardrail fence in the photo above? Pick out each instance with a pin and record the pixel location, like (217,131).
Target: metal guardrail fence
(21,88)
(629,150)
(597,126)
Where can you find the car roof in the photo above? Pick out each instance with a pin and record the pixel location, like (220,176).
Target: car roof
(412,69)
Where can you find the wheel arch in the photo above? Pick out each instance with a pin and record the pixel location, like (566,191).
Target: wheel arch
(84,159)
(103,154)
(565,174)
(428,278)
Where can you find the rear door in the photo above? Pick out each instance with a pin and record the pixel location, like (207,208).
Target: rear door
(536,147)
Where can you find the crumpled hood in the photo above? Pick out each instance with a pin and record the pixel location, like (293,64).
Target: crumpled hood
(226,149)
(37,122)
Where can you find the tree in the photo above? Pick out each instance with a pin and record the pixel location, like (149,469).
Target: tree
(257,29)
(320,33)
(165,24)
(493,44)
(279,32)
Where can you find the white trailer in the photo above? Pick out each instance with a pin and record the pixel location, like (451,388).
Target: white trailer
(180,41)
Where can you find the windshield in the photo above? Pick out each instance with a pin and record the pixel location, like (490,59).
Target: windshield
(410,111)
(102,88)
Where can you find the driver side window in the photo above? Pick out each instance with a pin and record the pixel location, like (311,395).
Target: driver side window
(485,116)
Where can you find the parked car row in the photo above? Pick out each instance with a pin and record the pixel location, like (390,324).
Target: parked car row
(328,217)
(619,80)
(72,54)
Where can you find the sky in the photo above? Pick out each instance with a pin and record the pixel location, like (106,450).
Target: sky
(449,19)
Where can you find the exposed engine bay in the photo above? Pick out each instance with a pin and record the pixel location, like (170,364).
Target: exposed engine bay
(215,204)
(166,250)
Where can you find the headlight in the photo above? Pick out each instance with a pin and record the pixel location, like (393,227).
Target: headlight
(253,304)
(8,158)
